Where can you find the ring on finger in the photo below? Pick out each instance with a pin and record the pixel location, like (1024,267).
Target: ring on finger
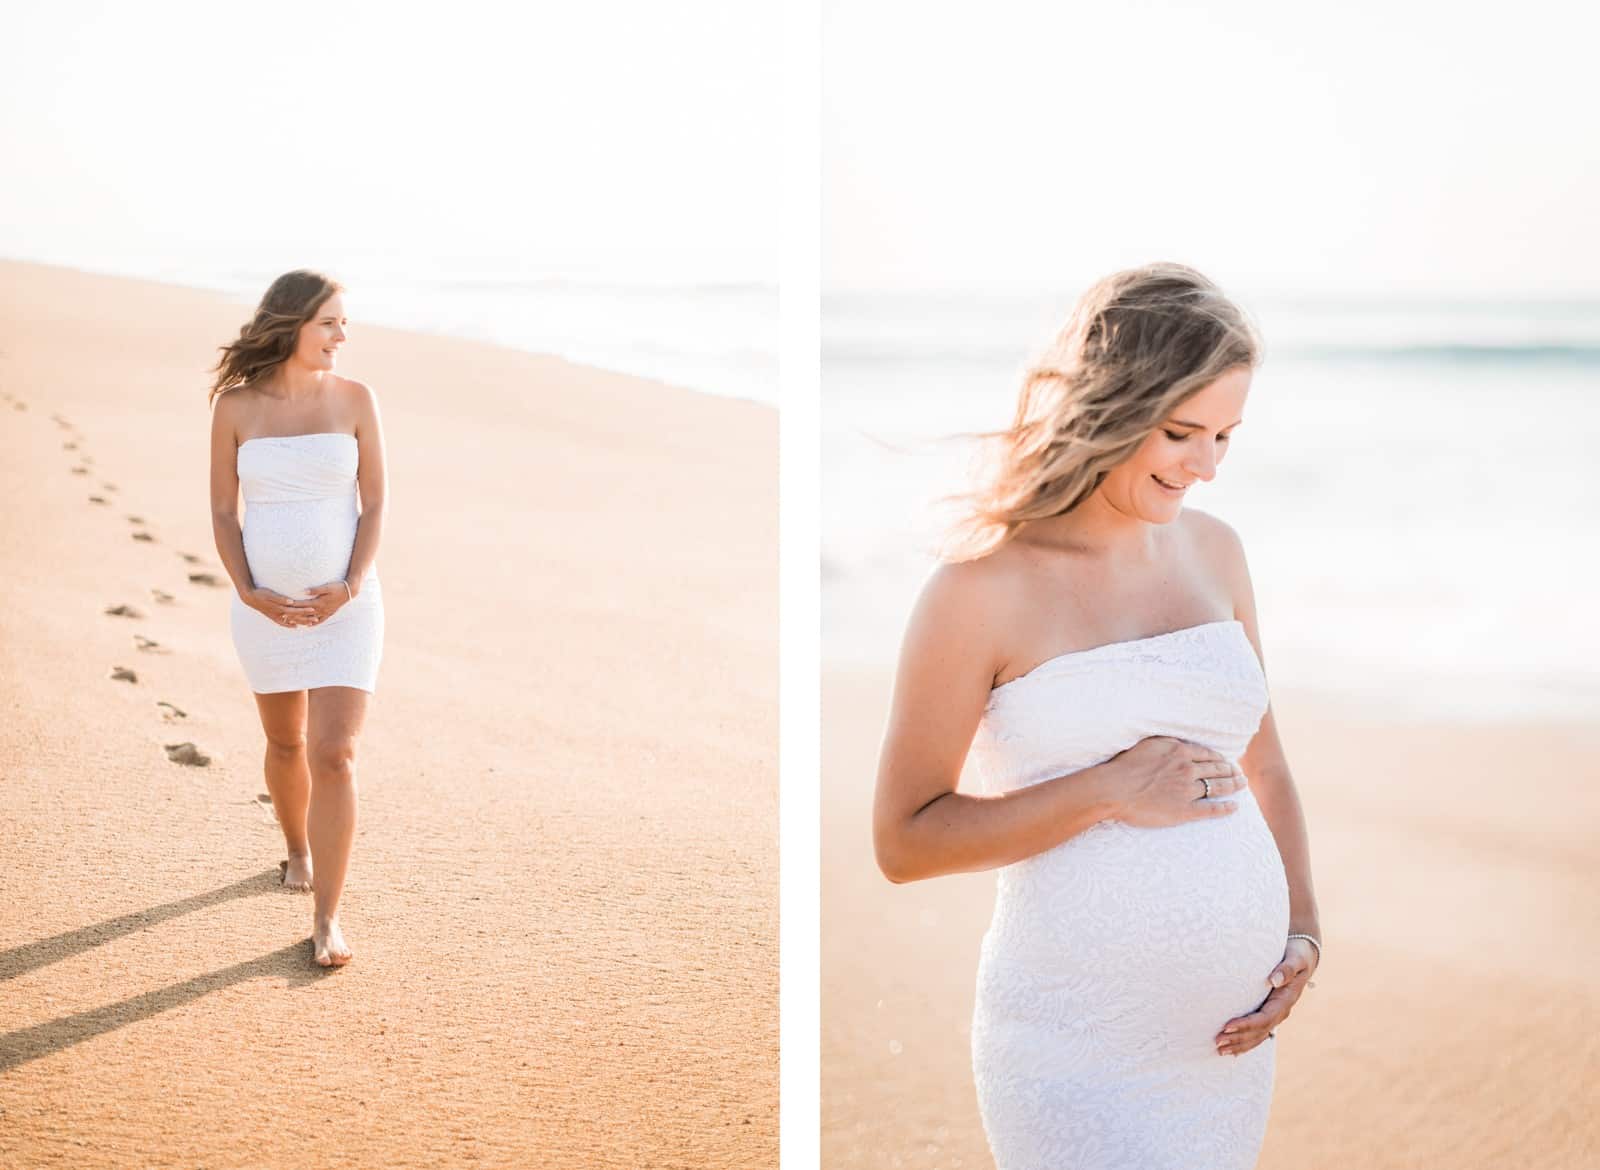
(1207,785)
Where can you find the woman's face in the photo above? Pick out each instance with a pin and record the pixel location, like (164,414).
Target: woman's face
(320,338)
(1188,445)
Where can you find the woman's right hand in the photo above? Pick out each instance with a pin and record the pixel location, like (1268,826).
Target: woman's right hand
(284,611)
(1158,783)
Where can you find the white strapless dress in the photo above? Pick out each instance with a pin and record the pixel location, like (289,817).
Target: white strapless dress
(301,509)
(1114,959)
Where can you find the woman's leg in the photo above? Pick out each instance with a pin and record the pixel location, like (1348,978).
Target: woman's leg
(334,720)
(283,718)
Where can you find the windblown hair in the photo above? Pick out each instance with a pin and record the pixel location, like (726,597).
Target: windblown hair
(1136,345)
(269,337)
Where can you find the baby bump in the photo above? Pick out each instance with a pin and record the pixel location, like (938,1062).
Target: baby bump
(291,547)
(1137,939)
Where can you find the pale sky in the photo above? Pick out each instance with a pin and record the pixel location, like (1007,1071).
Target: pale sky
(605,138)
(1396,146)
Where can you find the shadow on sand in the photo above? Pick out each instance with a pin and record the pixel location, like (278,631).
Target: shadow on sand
(292,963)
(29,956)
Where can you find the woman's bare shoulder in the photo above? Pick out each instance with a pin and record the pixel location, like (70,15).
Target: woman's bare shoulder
(1221,550)
(232,407)
(352,389)
(972,604)
(983,583)
(358,403)
(1211,534)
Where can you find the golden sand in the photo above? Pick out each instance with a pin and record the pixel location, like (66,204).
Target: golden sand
(563,896)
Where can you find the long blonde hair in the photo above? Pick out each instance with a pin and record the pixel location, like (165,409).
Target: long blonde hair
(269,337)
(1136,345)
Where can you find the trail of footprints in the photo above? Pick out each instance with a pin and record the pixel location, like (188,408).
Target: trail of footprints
(185,753)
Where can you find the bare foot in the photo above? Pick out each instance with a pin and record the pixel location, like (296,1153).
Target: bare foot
(295,873)
(328,945)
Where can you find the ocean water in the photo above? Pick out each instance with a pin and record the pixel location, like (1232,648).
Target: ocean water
(716,338)
(1416,485)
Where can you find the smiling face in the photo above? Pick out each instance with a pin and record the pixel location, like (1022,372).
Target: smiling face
(1188,445)
(320,338)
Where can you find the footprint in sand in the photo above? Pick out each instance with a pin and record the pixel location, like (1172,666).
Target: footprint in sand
(134,519)
(186,753)
(80,471)
(162,597)
(190,557)
(69,446)
(144,536)
(110,487)
(149,645)
(170,712)
(123,674)
(98,500)
(206,579)
(20,405)
(126,611)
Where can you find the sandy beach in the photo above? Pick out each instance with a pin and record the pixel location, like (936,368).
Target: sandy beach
(563,895)
(1455,1022)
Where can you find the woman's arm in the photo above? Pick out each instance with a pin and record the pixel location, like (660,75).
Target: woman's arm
(923,827)
(372,479)
(1275,793)
(225,528)
(1264,762)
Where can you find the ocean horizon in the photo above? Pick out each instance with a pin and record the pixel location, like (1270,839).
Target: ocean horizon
(1413,482)
(712,336)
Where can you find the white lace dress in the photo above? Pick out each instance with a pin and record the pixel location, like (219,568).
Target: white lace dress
(299,528)
(1114,959)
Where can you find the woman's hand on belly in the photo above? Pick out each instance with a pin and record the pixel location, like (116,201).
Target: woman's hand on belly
(1245,1032)
(284,611)
(1162,782)
(326,600)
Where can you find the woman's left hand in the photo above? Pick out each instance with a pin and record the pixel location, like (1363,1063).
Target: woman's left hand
(326,601)
(1288,979)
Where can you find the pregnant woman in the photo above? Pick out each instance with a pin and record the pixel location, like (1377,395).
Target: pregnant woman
(1093,645)
(305,448)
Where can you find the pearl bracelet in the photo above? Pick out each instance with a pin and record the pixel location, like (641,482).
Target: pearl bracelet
(1314,943)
